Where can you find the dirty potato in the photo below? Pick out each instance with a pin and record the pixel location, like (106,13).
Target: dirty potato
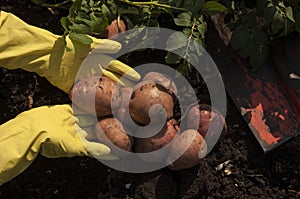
(97,95)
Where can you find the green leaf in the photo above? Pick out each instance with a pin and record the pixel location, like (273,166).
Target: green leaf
(76,5)
(193,6)
(278,24)
(260,37)
(289,13)
(99,23)
(202,26)
(249,49)
(106,12)
(172,58)
(83,21)
(260,56)
(195,47)
(269,12)
(91,3)
(183,19)
(193,58)
(184,68)
(176,40)
(250,19)
(240,37)
(235,24)
(65,23)
(212,6)
(82,38)
(199,3)
(82,15)
(80,28)
(187,31)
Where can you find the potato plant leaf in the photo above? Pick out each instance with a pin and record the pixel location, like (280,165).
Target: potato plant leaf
(172,58)
(260,37)
(183,19)
(81,38)
(260,56)
(65,23)
(269,12)
(176,40)
(211,7)
(289,13)
(249,50)
(240,37)
(80,28)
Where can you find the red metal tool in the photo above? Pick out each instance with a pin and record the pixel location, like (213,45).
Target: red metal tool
(268,99)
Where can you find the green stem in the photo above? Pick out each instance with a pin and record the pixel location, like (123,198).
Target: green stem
(152,3)
(189,41)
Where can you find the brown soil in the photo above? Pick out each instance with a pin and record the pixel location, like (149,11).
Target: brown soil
(248,173)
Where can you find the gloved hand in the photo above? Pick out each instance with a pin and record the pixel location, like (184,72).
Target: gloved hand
(53,132)
(37,50)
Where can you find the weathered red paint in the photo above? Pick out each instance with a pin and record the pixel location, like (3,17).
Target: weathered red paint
(268,104)
(258,122)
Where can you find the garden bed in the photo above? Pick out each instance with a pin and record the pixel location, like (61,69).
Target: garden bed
(236,168)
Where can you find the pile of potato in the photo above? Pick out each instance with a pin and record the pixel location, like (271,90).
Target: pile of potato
(148,102)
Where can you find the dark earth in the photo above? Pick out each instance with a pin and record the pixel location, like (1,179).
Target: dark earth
(246,173)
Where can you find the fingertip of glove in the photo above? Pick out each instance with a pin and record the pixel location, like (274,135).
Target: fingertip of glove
(97,149)
(123,69)
(108,157)
(106,46)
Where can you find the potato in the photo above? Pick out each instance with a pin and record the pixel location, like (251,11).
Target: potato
(148,95)
(163,80)
(102,90)
(111,132)
(114,29)
(191,154)
(126,93)
(156,142)
(201,116)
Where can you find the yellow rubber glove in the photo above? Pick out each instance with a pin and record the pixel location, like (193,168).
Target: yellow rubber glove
(37,50)
(53,132)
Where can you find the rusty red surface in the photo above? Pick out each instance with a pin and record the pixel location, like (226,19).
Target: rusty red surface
(273,117)
(269,100)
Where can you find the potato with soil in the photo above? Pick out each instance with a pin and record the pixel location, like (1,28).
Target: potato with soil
(156,142)
(111,132)
(163,80)
(191,154)
(201,116)
(149,98)
(114,28)
(96,95)
(123,111)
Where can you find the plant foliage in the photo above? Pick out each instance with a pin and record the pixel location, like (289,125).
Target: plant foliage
(254,28)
